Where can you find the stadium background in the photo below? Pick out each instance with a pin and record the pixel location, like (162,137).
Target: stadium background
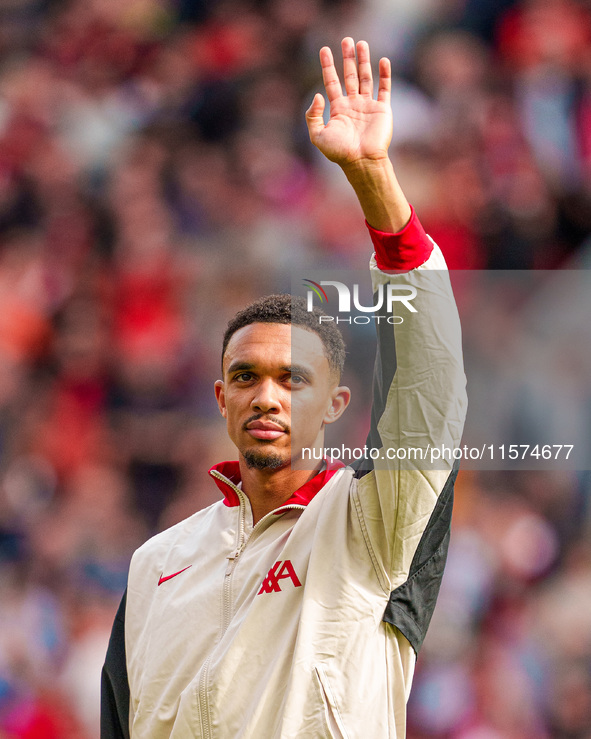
(155,175)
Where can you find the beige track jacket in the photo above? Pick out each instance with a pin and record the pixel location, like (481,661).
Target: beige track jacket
(305,626)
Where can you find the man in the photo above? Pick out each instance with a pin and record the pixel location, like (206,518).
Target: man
(295,606)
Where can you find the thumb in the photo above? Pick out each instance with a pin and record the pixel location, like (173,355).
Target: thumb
(314,117)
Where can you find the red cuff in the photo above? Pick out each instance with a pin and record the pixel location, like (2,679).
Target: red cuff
(404,250)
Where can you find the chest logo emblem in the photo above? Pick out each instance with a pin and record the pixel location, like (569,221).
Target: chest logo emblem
(279,571)
(164,578)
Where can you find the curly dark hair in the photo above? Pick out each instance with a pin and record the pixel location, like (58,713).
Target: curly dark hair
(291,309)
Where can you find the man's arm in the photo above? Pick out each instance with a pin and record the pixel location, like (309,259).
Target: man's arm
(114,684)
(422,386)
(419,401)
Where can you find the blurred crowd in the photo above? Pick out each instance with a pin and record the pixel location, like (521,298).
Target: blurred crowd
(155,176)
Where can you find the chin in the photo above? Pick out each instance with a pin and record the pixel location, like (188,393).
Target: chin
(260,460)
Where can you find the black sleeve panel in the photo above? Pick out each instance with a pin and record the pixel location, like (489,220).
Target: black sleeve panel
(412,604)
(384,371)
(114,684)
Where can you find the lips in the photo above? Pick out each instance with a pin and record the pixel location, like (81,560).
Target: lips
(265,430)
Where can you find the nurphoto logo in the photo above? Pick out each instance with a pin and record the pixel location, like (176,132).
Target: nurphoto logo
(385,298)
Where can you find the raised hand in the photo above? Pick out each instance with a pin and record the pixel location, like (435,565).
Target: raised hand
(359,128)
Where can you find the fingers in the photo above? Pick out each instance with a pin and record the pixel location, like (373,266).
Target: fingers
(332,84)
(350,66)
(314,117)
(365,75)
(385,83)
(357,72)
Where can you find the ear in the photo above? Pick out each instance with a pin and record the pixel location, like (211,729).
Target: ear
(220,396)
(340,398)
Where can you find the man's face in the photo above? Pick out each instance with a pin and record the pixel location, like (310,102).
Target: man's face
(276,374)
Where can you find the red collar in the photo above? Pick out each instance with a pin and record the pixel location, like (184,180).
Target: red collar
(302,496)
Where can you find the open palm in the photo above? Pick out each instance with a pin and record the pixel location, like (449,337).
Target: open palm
(359,128)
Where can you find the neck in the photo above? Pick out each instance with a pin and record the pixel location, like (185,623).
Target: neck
(269,489)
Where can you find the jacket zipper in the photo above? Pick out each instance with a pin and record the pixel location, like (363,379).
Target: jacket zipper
(203,702)
(241,542)
(226,608)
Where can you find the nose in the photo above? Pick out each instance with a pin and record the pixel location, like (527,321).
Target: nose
(267,397)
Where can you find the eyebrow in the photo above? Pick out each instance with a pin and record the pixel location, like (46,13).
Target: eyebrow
(235,366)
(297,369)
